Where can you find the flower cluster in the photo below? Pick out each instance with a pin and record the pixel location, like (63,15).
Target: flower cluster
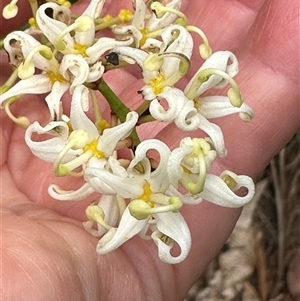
(139,193)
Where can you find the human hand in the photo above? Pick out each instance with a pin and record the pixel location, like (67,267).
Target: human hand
(46,253)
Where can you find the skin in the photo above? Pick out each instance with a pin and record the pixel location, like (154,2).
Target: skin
(46,253)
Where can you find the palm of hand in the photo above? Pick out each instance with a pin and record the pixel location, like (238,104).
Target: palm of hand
(46,252)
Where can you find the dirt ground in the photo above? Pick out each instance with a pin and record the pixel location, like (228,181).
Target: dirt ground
(261,259)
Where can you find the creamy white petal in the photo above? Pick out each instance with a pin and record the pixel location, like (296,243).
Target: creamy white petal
(219,60)
(111,136)
(185,198)
(114,238)
(79,120)
(219,106)
(36,84)
(94,9)
(96,71)
(216,191)
(155,23)
(105,182)
(26,43)
(188,118)
(158,179)
(103,45)
(140,14)
(122,32)
(52,28)
(175,101)
(53,99)
(128,54)
(174,226)
(183,44)
(70,195)
(111,210)
(174,167)
(215,133)
(48,150)
(76,67)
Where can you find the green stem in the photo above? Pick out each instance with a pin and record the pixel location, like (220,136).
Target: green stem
(117,106)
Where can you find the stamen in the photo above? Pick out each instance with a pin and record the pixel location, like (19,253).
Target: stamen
(56,77)
(26,69)
(64,2)
(204,49)
(160,10)
(77,140)
(141,210)
(21,121)
(230,182)
(10,10)
(82,23)
(125,15)
(233,93)
(95,214)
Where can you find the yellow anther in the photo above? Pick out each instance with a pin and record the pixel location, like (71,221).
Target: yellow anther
(81,49)
(125,15)
(144,32)
(93,147)
(32,22)
(146,195)
(107,18)
(56,77)
(230,181)
(156,83)
(64,2)
(102,125)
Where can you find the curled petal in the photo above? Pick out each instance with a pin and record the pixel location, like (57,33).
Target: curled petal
(216,190)
(215,133)
(173,226)
(114,238)
(131,55)
(105,182)
(70,195)
(218,60)
(102,46)
(183,43)
(188,118)
(96,72)
(36,84)
(79,120)
(175,100)
(112,136)
(53,99)
(139,15)
(76,66)
(48,150)
(174,167)
(129,31)
(52,28)
(158,178)
(185,198)
(156,23)
(94,9)
(219,106)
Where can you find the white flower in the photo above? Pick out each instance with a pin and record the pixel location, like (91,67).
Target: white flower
(59,33)
(165,68)
(215,73)
(189,165)
(149,208)
(56,77)
(80,147)
(144,29)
